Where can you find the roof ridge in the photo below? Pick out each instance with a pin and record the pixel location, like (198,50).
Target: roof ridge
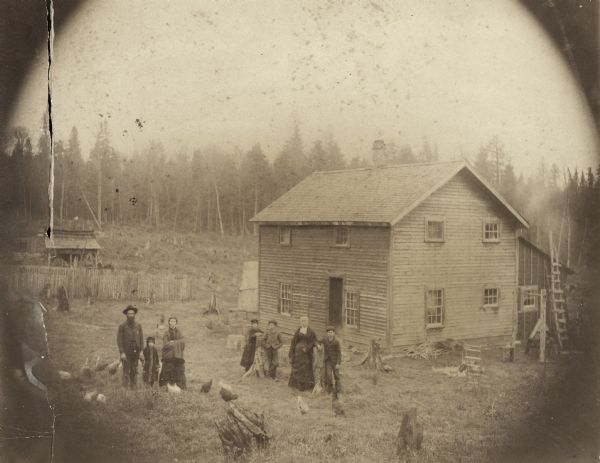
(391,166)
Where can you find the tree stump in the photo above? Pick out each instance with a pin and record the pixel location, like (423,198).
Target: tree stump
(410,435)
(63,299)
(318,369)
(260,365)
(373,357)
(241,430)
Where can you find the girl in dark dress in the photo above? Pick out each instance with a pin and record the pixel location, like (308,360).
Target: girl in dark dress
(301,351)
(250,349)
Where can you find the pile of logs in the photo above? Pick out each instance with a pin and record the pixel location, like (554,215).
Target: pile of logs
(241,430)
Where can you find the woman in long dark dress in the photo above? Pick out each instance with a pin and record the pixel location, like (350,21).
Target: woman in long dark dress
(250,349)
(301,354)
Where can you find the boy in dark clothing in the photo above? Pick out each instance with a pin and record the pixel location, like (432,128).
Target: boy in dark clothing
(150,362)
(332,358)
(271,343)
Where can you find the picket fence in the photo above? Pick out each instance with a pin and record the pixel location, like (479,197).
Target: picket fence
(100,283)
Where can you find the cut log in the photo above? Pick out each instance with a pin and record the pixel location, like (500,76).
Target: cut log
(318,369)
(241,430)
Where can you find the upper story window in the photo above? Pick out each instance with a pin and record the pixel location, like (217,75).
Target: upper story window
(491,297)
(435,229)
(341,236)
(285,236)
(491,231)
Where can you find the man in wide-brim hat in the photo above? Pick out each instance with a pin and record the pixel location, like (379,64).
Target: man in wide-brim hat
(130,340)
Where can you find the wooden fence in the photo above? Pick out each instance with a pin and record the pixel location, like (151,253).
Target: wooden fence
(101,283)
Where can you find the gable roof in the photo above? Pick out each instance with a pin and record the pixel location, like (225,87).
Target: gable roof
(377,196)
(72,239)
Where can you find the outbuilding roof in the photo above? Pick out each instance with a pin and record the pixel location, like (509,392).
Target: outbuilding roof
(375,196)
(72,239)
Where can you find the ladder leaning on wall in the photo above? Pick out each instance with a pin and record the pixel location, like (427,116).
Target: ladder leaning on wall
(557,299)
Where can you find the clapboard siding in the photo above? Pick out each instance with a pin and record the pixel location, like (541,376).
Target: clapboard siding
(463,265)
(309,263)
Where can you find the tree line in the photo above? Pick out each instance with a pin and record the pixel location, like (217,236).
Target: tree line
(213,190)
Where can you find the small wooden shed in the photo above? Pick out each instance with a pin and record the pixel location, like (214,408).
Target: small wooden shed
(74,247)
(534,271)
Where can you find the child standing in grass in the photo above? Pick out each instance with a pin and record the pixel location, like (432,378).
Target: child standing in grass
(150,362)
(271,343)
(332,358)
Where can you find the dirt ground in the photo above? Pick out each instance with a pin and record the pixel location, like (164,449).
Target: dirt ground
(513,412)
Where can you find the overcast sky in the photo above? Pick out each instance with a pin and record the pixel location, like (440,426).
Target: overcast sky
(236,73)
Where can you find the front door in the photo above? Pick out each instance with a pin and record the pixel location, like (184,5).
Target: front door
(336,297)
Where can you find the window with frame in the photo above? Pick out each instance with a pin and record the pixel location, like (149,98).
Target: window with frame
(435,308)
(285,236)
(491,297)
(491,231)
(435,229)
(351,307)
(528,298)
(342,236)
(285,298)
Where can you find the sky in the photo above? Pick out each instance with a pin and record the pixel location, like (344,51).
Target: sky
(195,73)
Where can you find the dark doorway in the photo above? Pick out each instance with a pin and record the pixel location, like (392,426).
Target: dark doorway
(336,288)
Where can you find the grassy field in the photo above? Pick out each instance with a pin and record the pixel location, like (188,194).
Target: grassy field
(465,418)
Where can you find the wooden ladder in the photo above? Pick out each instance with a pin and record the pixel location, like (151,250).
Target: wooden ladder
(559,308)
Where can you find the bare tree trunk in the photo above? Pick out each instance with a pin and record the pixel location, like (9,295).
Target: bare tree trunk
(255,231)
(209,221)
(156,210)
(197,216)
(90,208)
(62,196)
(243,216)
(99,210)
(175,214)
(219,210)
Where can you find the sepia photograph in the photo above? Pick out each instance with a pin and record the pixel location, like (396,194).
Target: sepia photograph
(299,231)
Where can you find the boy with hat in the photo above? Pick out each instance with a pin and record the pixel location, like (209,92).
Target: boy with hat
(332,358)
(150,362)
(130,341)
(271,343)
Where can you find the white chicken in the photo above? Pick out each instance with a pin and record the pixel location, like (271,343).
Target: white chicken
(302,406)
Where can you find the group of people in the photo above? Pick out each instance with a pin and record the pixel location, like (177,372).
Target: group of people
(301,354)
(130,341)
(132,349)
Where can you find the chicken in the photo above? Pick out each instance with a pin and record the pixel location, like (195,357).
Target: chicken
(226,392)
(90,395)
(336,405)
(302,406)
(100,365)
(86,371)
(113,367)
(206,386)
(174,388)
(101,398)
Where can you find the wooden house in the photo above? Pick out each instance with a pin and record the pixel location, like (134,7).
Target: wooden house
(401,253)
(74,247)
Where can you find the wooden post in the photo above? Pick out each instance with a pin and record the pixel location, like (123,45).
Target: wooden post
(543,325)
